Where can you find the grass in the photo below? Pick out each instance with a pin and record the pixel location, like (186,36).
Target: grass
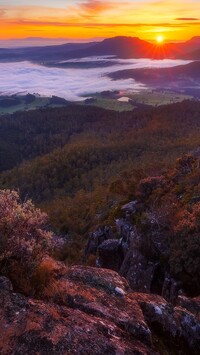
(39,102)
(157,98)
(112,104)
(145,97)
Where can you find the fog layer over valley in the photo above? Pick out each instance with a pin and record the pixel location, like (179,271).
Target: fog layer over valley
(73,82)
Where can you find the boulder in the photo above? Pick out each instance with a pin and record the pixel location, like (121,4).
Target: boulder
(176,325)
(5,284)
(110,254)
(138,271)
(87,313)
(96,239)
(94,311)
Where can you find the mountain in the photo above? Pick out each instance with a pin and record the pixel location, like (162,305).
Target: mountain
(47,53)
(121,47)
(195,55)
(191,45)
(180,77)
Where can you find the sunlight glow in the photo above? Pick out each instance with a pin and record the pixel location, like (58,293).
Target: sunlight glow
(178,20)
(160,39)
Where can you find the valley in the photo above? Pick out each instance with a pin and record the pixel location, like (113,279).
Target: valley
(99,197)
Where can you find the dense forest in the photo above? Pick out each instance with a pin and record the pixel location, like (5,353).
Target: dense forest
(77,163)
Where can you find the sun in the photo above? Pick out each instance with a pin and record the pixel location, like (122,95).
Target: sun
(159,39)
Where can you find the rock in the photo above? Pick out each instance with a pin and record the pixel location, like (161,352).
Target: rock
(96,239)
(130,208)
(191,304)
(176,325)
(104,279)
(5,284)
(170,288)
(124,229)
(119,291)
(36,327)
(85,315)
(110,254)
(93,311)
(188,328)
(138,271)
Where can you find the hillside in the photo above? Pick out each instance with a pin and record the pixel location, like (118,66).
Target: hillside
(116,199)
(72,161)
(195,55)
(186,77)
(157,247)
(46,306)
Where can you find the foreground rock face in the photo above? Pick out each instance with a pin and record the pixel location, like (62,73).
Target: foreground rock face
(93,311)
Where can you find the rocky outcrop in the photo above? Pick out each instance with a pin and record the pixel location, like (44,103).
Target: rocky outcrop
(138,271)
(94,311)
(125,255)
(138,254)
(110,255)
(5,284)
(96,239)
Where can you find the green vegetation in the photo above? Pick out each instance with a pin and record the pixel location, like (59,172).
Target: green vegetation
(24,240)
(169,220)
(143,98)
(81,164)
(109,101)
(158,97)
(78,163)
(15,103)
(111,104)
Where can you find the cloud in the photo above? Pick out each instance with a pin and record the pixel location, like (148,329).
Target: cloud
(187,19)
(95,6)
(93,24)
(71,84)
(2,13)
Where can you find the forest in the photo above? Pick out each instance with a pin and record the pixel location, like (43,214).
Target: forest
(79,163)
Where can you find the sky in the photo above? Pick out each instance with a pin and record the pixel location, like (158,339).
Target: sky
(175,20)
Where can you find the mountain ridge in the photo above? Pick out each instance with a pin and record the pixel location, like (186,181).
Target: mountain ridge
(119,46)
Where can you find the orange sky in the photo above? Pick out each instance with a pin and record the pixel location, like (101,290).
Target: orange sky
(85,19)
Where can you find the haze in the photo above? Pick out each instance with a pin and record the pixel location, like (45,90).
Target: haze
(73,84)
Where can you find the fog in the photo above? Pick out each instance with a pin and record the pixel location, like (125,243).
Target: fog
(73,83)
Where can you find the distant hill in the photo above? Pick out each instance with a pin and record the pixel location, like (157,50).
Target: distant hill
(121,47)
(181,76)
(195,55)
(192,44)
(47,53)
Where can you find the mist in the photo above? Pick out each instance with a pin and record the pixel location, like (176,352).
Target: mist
(73,83)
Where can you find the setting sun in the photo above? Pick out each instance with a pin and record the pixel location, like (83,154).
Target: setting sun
(160,39)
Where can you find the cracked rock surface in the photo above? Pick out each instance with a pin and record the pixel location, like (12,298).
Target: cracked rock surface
(86,315)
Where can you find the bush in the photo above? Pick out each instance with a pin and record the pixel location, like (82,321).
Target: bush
(185,249)
(24,241)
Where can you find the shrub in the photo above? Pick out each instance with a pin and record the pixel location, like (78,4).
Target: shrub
(185,249)
(23,238)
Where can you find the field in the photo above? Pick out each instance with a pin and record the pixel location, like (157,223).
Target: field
(106,100)
(145,97)
(158,97)
(15,103)
(110,104)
